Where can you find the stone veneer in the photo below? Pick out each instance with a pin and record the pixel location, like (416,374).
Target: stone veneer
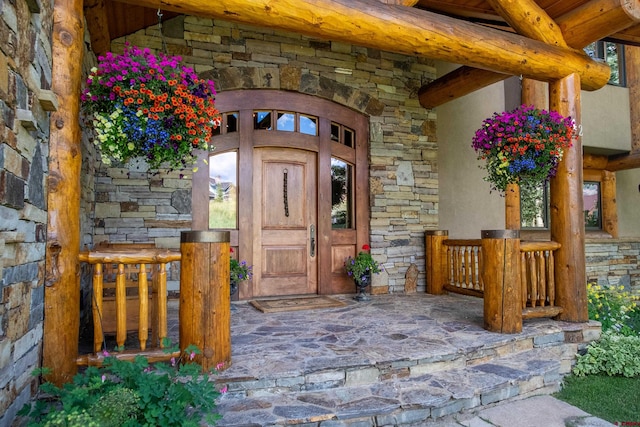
(25,82)
(133,205)
(614,262)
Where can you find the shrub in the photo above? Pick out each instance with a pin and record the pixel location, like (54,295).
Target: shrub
(613,354)
(125,393)
(614,308)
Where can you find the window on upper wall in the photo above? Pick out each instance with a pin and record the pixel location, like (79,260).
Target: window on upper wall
(534,206)
(612,54)
(592,203)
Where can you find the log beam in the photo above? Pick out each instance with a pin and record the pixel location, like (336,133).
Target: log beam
(529,20)
(567,210)
(422,33)
(62,275)
(598,19)
(623,14)
(623,162)
(461,81)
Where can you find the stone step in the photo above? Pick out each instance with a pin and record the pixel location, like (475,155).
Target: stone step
(400,401)
(318,373)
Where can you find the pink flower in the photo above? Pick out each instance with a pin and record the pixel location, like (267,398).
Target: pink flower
(104,377)
(173,361)
(224,389)
(192,355)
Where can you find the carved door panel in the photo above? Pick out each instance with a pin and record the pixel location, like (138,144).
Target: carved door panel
(285,221)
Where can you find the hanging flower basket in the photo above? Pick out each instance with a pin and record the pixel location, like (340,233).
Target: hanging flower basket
(522,146)
(147,105)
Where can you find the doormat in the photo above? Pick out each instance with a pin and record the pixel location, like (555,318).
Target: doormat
(294,304)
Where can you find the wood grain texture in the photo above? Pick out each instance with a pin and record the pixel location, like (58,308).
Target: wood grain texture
(502,292)
(422,33)
(567,210)
(62,278)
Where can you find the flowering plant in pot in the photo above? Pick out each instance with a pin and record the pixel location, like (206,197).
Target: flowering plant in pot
(150,106)
(360,268)
(239,271)
(522,146)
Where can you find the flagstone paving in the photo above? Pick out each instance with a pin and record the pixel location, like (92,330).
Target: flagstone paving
(404,359)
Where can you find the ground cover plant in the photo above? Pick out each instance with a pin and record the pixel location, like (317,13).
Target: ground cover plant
(605,381)
(129,393)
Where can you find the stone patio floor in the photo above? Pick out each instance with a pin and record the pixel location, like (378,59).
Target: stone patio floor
(387,328)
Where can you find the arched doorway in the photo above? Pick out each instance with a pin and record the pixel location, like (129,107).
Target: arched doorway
(289,179)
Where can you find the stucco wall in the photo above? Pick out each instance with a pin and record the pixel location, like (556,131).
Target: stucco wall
(628,201)
(25,70)
(403,178)
(605,120)
(467,204)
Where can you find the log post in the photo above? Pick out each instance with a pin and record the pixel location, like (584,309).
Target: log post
(512,207)
(436,260)
(62,273)
(205,303)
(567,216)
(609,206)
(501,278)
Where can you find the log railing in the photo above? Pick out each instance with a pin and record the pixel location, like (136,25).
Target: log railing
(133,269)
(462,266)
(464,262)
(537,270)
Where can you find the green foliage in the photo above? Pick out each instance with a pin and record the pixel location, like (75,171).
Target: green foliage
(124,393)
(362,264)
(614,308)
(222,214)
(615,399)
(613,354)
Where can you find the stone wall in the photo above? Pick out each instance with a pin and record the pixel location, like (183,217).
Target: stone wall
(614,262)
(25,99)
(132,205)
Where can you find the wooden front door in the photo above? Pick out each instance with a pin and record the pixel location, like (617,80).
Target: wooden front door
(286,166)
(284,222)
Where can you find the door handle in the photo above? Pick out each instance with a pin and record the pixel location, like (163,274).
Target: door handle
(312,236)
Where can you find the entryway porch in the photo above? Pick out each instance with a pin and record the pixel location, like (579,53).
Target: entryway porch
(400,359)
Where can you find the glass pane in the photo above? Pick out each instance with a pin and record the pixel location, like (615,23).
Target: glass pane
(262,120)
(286,122)
(348,138)
(308,125)
(223,190)
(232,122)
(534,206)
(341,194)
(335,132)
(591,200)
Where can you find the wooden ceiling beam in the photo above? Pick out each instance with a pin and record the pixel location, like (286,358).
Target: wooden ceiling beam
(598,19)
(458,83)
(623,162)
(95,14)
(404,30)
(624,14)
(529,20)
